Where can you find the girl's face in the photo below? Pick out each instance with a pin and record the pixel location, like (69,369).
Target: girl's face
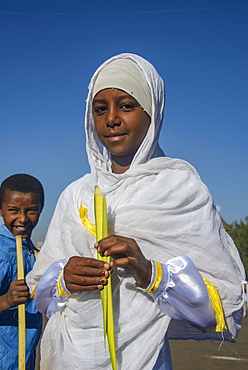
(20,212)
(121,125)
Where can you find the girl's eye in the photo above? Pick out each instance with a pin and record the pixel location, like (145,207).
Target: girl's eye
(100,110)
(127,106)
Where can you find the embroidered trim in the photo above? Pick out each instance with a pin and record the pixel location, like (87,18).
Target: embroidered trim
(61,292)
(157,280)
(216,305)
(85,221)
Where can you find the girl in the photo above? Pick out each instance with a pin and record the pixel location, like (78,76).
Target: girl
(165,237)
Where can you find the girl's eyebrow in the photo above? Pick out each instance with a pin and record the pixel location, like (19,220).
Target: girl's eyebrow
(126,96)
(119,98)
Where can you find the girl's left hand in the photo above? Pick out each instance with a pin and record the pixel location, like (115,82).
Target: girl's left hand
(126,253)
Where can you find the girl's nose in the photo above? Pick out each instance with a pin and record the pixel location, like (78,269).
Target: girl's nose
(112,118)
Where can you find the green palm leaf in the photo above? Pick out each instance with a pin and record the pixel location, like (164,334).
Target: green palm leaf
(101,221)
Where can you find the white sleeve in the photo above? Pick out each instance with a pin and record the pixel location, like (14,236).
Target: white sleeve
(182,293)
(47,298)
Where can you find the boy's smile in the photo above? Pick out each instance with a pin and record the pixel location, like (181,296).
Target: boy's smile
(20,212)
(121,124)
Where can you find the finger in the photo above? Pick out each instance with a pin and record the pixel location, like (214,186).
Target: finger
(19,300)
(120,262)
(16,298)
(23,299)
(111,240)
(18,288)
(90,262)
(19,282)
(119,249)
(22,290)
(85,271)
(84,280)
(22,295)
(115,237)
(84,284)
(73,288)
(126,262)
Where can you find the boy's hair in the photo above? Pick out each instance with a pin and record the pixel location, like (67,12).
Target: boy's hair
(24,184)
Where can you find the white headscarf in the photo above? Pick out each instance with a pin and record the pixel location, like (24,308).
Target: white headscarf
(125,74)
(162,204)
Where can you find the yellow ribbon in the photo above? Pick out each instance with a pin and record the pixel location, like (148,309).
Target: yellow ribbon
(85,221)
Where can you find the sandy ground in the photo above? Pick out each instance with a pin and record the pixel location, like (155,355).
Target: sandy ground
(194,355)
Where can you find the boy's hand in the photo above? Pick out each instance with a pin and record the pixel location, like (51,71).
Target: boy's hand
(127,254)
(83,274)
(17,294)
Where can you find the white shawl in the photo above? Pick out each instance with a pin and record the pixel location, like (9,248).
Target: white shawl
(162,204)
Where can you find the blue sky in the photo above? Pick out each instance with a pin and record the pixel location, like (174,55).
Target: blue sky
(50,49)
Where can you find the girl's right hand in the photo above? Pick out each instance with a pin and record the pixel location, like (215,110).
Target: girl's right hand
(83,274)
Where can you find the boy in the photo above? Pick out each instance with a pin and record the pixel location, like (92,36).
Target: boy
(21,203)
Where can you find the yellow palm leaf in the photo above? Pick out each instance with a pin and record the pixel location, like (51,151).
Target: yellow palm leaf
(21,309)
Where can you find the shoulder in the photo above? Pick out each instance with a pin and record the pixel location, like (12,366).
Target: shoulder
(177,179)
(68,199)
(7,258)
(7,247)
(4,256)
(174,164)
(70,193)
(74,187)
(173,168)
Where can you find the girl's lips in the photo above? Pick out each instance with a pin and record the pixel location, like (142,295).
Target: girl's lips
(115,137)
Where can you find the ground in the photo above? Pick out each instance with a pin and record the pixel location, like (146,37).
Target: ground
(205,355)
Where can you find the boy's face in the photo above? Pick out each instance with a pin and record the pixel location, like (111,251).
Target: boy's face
(20,212)
(120,122)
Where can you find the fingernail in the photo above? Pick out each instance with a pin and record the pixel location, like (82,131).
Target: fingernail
(102,281)
(106,266)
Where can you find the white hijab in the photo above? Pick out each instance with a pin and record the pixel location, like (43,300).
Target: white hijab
(162,204)
(98,157)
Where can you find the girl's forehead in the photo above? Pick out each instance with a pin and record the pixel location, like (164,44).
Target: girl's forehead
(112,92)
